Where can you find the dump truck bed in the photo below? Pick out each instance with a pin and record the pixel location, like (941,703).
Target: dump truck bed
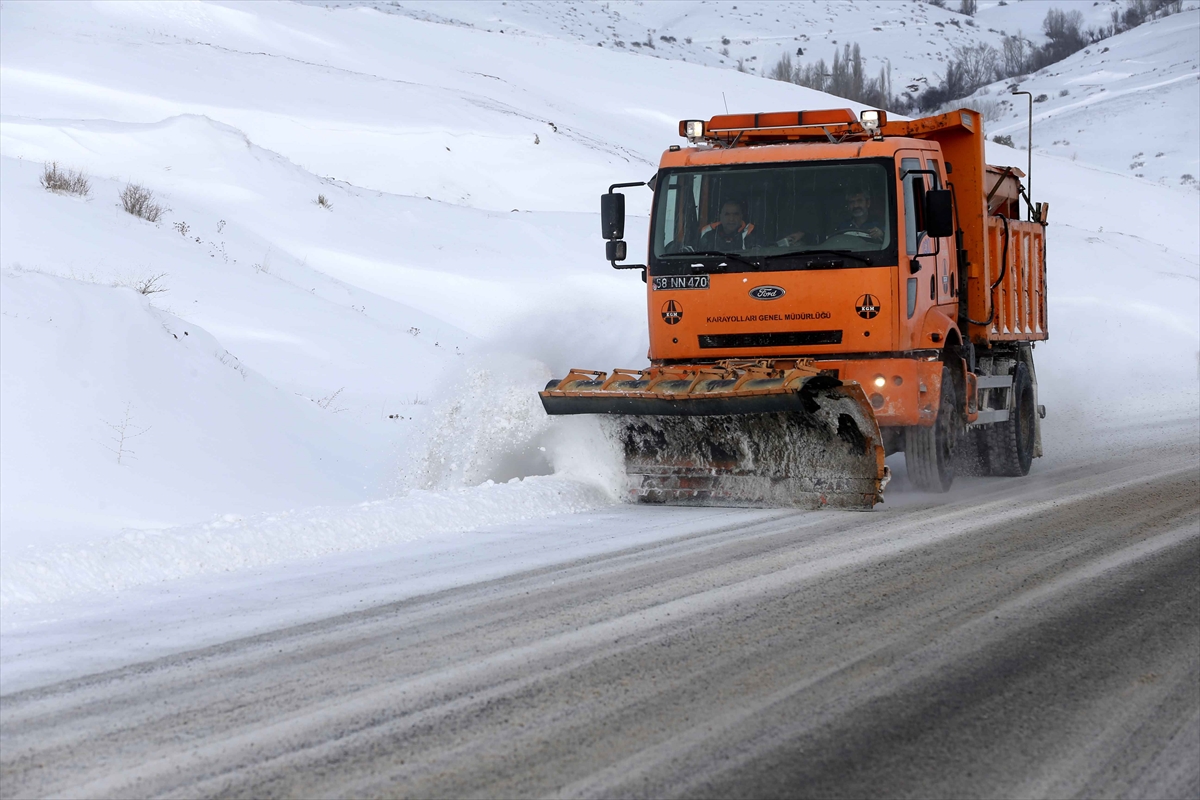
(1005,281)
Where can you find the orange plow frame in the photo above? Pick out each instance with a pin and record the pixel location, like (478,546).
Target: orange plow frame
(741,433)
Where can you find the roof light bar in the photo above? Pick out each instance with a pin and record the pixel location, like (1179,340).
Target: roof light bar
(781,125)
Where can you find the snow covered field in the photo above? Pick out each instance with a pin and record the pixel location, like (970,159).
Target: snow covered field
(321,380)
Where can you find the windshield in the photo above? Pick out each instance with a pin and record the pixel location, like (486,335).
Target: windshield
(776,216)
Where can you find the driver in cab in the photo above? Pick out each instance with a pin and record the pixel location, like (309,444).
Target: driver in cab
(859,220)
(731,231)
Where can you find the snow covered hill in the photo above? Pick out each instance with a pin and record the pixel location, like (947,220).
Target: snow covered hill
(1128,103)
(385,347)
(913,38)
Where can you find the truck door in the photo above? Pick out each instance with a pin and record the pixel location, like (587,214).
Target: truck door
(914,286)
(947,287)
(931,282)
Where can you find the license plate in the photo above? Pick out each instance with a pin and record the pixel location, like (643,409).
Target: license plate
(681,282)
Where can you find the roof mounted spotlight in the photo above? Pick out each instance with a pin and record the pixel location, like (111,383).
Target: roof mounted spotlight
(872,121)
(693,129)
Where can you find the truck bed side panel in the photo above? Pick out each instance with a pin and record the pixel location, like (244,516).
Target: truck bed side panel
(1015,310)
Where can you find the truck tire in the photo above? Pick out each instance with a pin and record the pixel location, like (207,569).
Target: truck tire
(1010,443)
(929,452)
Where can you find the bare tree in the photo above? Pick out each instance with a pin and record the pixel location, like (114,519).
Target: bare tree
(1016,55)
(1063,29)
(979,64)
(123,431)
(783,69)
(814,76)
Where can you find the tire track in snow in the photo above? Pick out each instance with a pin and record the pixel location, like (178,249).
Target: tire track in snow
(683,667)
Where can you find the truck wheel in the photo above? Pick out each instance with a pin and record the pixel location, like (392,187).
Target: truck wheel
(1010,443)
(929,452)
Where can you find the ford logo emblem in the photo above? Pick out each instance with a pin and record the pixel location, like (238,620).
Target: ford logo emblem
(767,292)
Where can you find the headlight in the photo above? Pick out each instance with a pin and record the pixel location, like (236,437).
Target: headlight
(880,381)
(694,130)
(872,120)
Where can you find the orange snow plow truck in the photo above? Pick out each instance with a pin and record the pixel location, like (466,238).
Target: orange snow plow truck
(824,290)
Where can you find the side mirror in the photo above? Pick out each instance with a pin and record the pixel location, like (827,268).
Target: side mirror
(612,215)
(615,250)
(612,223)
(939,214)
(918,190)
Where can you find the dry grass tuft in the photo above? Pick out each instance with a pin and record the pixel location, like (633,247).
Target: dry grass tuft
(139,201)
(65,181)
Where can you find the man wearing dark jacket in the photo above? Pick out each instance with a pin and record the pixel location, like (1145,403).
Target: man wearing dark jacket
(730,232)
(860,219)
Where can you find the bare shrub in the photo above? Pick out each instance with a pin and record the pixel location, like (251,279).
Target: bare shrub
(139,201)
(65,181)
(143,284)
(323,202)
(327,403)
(1003,139)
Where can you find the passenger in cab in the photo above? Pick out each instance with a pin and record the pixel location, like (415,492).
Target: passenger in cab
(730,231)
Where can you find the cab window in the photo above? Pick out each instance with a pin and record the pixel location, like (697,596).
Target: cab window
(775,209)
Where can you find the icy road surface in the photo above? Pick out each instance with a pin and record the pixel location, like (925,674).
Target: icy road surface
(1028,637)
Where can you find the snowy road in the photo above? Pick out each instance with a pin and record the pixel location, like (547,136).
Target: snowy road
(1032,637)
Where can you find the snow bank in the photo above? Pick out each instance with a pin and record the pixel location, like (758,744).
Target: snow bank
(139,557)
(118,414)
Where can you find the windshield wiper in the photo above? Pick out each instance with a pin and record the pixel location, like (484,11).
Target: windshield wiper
(743,260)
(802,253)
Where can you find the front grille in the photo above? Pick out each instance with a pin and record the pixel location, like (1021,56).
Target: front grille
(786,339)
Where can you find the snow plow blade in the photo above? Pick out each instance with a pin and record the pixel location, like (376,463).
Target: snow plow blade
(736,434)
